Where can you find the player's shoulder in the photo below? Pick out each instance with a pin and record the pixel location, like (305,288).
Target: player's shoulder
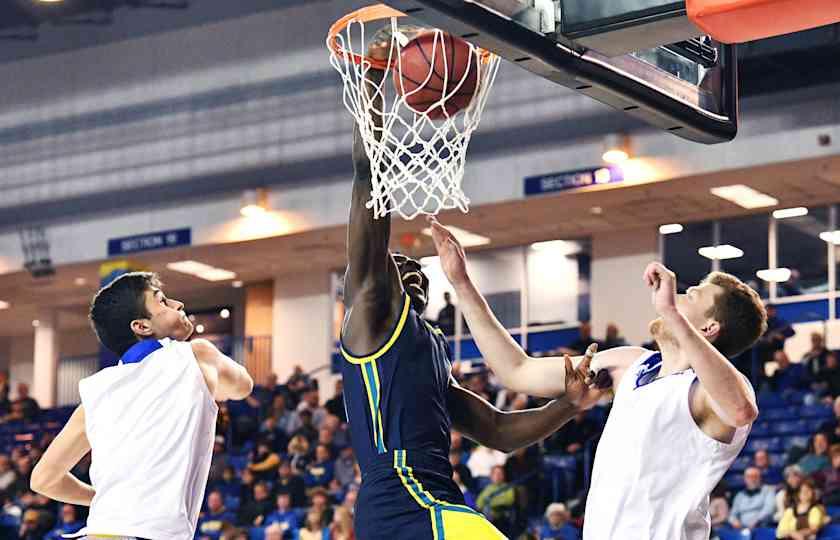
(627,354)
(204,350)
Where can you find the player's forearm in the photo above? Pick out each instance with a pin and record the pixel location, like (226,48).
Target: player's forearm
(732,395)
(518,429)
(64,488)
(514,368)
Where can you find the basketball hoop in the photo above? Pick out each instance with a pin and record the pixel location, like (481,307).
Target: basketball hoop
(417,157)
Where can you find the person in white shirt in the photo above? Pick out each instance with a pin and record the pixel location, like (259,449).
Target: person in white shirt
(148,421)
(679,418)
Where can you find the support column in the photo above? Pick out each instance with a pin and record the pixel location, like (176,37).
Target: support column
(45,359)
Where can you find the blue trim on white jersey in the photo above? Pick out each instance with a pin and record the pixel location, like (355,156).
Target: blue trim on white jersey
(140,351)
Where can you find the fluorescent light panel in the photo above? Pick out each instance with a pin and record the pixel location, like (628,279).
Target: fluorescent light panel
(744,196)
(560,247)
(774,275)
(720,253)
(466,238)
(670,228)
(201,270)
(785,213)
(832,237)
(4,305)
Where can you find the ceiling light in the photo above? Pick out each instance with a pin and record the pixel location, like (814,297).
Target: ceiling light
(616,149)
(559,247)
(201,270)
(720,252)
(225,313)
(254,202)
(36,323)
(4,305)
(832,237)
(80,281)
(799,211)
(774,275)
(236,284)
(670,228)
(199,328)
(466,238)
(744,196)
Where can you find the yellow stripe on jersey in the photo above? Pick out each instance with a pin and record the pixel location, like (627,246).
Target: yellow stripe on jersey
(390,343)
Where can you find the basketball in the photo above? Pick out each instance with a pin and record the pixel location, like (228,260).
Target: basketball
(436,66)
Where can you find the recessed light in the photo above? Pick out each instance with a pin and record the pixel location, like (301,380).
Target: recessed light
(36,323)
(4,305)
(670,228)
(720,253)
(790,212)
(199,328)
(236,284)
(225,313)
(80,281)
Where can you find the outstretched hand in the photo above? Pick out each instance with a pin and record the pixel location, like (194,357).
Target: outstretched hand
(663,284)
(584,388)
(453,261)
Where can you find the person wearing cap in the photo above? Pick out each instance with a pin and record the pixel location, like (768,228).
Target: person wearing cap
(556,525)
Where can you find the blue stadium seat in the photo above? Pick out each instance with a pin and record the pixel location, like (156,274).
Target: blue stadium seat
(771,400)
(778,459)
(741,463)
(791,427)
(816,411)
(238,462)
(764,533)
(729,534)
(799,440)
(788,413)
(833,511)
(256,533)
(831,532)
(762,429)
(771,444)
(232,503)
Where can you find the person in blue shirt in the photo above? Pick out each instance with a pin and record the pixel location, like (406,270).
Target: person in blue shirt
(213,521)
(556,525)
(320,472)
(284,516)
(69,524)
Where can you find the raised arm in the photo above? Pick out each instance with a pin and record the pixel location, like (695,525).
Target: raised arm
(543,377)
(225,378)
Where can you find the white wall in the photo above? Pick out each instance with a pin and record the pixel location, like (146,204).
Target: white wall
(553,286)
(618,294)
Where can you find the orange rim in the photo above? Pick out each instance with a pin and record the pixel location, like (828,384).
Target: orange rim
(368,14)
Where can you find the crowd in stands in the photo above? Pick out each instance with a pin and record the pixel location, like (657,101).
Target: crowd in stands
(283,468)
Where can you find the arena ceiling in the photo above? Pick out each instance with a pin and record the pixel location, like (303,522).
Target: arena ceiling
(813,182)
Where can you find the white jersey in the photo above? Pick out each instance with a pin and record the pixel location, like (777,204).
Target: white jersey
(654,467)
(151,423)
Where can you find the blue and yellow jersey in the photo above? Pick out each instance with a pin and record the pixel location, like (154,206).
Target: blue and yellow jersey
(396,396)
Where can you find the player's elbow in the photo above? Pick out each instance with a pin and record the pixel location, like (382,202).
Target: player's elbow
(40,480)
(245,386)
(745,414)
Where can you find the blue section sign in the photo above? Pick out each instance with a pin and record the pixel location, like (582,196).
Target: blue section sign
(564,181)
(149,241)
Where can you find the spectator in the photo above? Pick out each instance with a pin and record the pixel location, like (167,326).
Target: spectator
(298,452)
(321,503)
(229,484)
(497,499)
(804,520)
(320,472)
(342,525)
(832,427)
(814,359)
(253,512)
(34,525)
(466,491)
(770,475)
(754,505)
(788,376)
(216,518)
(274,532)
(24,408)
(613,338)
(829,480)
(778,331)
(246,486)
(345,466)
(287,420)
(264,393)
(7,473)
(69,523)
(817,457)
(311,403)
(786,496)
(446,316)
(291,483)
(335,405)
(483,459)
(458,466)
(307,429)
(24,473)
(234,533)
(556,525)
(273,434)
(583,341)
(827,382)
(571,437)
(718,507)
(265,462)
(219,461)
(284,516)
(315,528)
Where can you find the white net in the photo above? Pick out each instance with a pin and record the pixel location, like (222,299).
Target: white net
(417,162)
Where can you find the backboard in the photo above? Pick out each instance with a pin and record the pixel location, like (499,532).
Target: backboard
(641,57)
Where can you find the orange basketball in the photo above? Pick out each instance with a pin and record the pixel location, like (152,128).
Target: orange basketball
(433,68)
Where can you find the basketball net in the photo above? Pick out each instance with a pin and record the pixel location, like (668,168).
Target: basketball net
(417,164)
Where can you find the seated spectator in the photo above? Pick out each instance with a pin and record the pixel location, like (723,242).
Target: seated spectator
(832,427)
(497,499)
(219,460)
(770,475)
(315,528)
(253,512)
(827,382)
(321,503)
(320,472)
(345,466)
(246,486)
(7,473)
(340,433)
(326,437)
(273,434)
(284,516)
(719,507)
(265,462)
(307,429)
(483,459)
(264,393)
(814,359)
(34,526)
(298,452)
(229,484)
(24,408)
(571,437)
(754,505)
(69,523)
(469,496)
(24,474)
(342,525)
(287,419)
(212,522)
(275,532)
(312,402)
(806,518)
(613,338)
(788,376)
(335,405)
(290,482)
(829,480)
(556,525)
(786,496)
(817,457)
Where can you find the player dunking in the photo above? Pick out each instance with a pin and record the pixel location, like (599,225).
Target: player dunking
(679,418)
(149,421)
(401,400)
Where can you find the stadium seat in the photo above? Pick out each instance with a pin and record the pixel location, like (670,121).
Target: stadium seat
(238,462)
(800,440)
(764,533)
(771,444)
(816,411)
(791,427)
(788,413)
(762,429)
(831,532)
(256,533)
(771,400)
(232,503)
(833,511)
